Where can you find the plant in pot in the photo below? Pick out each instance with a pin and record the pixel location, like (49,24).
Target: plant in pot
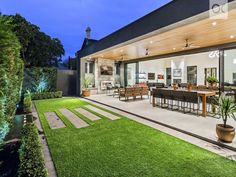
(86,82)
(175,86)
(226,109)
(212,81)
(190,87)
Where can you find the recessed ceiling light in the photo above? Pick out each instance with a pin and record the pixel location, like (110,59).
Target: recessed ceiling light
(214,23)
(231,36)
(151,42)
(174,48)
(121,50)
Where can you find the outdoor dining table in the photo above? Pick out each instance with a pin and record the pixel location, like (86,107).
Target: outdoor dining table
(202,94)
(234,90)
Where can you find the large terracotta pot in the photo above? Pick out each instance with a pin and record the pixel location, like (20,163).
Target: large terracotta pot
(225,134)
(86,93)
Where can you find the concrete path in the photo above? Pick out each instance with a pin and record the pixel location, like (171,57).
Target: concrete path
(104,113)
(190,139)
(54,121)
(201,126)
(46,153)
(74,119)
(88,114)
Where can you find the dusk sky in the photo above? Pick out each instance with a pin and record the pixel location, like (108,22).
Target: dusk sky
(68,19)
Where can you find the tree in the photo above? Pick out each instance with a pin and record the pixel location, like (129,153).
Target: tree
(11,74)
(38,49)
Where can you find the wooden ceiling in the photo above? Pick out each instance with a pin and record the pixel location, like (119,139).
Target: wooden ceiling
(201,34)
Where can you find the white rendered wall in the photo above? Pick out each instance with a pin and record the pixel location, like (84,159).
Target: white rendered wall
(201,60)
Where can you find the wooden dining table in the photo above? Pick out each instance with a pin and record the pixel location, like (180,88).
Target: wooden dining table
(202,94)
(234,90)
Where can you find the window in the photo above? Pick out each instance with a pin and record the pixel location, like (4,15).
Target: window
(192,74)
(210,72)
(86,67)
(117,68)
(89,68)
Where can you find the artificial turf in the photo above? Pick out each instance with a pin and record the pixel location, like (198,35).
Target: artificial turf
(124,148)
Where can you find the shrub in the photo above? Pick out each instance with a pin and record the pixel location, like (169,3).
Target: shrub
(58,94)
(46,95)
(11,74)
(31,158)
(27,103)
(40,79)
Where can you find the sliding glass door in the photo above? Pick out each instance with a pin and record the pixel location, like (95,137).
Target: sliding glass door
(230,68)
(131,74)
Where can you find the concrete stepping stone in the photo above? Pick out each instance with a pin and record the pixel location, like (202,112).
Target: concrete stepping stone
(104,113)
(88,114)
(54,121)
(74,119)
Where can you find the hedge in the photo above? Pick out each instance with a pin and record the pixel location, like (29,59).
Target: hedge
(27,103)
(46,95)
(31,158)
(11,74)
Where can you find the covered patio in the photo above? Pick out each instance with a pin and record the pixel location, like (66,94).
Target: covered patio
(186,123)
(166,48)
(189,48)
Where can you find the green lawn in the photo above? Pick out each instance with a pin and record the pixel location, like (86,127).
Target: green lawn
(124,148)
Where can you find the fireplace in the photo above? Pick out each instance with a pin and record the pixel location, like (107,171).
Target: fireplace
(105,84)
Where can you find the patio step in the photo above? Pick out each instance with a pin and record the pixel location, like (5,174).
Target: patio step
(54,121)
(104,113)
(74,119)
(87,114)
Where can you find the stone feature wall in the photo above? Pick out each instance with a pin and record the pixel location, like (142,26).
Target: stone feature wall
(97,73)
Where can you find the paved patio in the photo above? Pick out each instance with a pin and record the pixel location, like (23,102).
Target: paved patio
(204,127)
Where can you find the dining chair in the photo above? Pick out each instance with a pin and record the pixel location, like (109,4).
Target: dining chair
(190,100)
(178,97)
(167,99)
(157,93)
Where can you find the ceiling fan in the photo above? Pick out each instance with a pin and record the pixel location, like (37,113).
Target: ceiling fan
(189,45)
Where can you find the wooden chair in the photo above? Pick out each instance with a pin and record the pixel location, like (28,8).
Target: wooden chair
(144,91)
(121,93)
(137,92)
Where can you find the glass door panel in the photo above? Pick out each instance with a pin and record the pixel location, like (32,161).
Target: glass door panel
(192,75)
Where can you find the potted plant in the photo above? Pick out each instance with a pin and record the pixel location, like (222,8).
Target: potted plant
(85,83)
(175,86)
(226,109)
(212,81)
(190,87)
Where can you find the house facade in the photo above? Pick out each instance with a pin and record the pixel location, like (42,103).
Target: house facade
(185,41)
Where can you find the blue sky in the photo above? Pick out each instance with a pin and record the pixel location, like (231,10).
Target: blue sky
(68,19)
